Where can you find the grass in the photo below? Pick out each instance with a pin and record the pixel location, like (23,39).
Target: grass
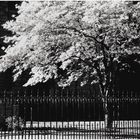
(70,130)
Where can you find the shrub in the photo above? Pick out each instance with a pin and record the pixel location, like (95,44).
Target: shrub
(14,123)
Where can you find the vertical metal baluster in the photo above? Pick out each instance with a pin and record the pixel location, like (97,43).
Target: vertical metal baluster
(88,104)
(22,104)
(131,102)
(88,100)
(61,99)
(59,112)
(2,101)
(28,117)
(94,104)
(127,101)
(136,122)
(83,113)
(36,122)
(102,131)
(118,107)
(44,112)
(25,102)
(92,109)
(31,110)
(55,122)
(86,117)
(79,111)
(50,102)
(132,120)
(41,113)
(47,111)
(116,101)
(12,114)
(53,101)
(118,112)
(64,115)
(121,110)
(125,120)
(38,114)
(17,104)
(94,132)
(73,112)
(35,101)
(17,114)
(80,117)
(123,107)
(119,118)
(71,100)
(137,101)
(98,132)
(110,100)
(99,119)
(127,113)
(56,103)
(67,112)
(71,131)
(5,116)
(52,117)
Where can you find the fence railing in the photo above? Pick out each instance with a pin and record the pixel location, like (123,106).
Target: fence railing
(66,114)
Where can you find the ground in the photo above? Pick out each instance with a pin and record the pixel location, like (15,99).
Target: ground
(76,130)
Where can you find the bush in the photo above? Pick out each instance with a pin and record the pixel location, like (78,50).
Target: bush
(14,123)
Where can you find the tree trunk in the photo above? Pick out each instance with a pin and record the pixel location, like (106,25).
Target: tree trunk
(108,110)
(108,116)
(108,121)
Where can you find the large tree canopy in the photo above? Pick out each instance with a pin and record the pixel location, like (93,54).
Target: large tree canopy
(87,39)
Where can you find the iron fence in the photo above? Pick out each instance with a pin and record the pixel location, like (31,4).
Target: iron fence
(66,114)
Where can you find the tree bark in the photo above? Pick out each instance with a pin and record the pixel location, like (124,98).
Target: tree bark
(108,120)
(108,108)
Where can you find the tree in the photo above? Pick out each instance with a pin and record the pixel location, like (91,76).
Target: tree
(87,39)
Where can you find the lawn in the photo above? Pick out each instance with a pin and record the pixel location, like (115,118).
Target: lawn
(77,130)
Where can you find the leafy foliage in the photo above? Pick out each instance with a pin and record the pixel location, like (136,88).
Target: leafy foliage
(87,38)
(14,122)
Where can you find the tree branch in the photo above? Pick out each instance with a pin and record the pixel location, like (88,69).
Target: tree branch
(81,32)
(103,46)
